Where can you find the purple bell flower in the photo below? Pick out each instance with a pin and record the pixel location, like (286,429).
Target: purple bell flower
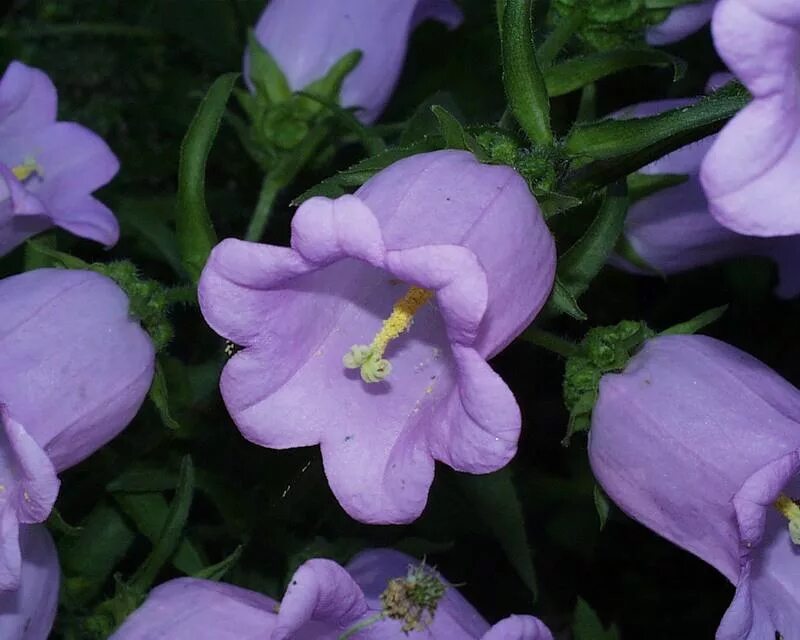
(458,247)
(48,169)
(70,381)
(306,37)
(682,21)
(323,600)
(701,443)
(750,173)
(672,230)
(27,613)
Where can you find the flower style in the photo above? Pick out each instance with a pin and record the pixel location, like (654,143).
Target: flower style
(701,442)
(459,247)
(672,230)
(322,602)
(681,22)
(69,382)
(48,169)
(27,613)
(750,172)
(306,37)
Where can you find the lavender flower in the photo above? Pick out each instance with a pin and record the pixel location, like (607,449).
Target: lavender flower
(323,601)
(672,230)
(701,442)
(306,37)
(48,169)
(69,382)
(756,158)
(439,240)
(27,613)
(681,22)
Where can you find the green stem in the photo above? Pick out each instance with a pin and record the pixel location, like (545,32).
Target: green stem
(367,622)
(266,200)
(558,37)
(550,341)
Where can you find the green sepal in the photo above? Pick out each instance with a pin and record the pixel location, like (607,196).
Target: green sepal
(330,85)
(455,137)
(643,185)
(159,395)
(216,572)
(587,626)
(562,301)
(196,235)
(266,75)
(553,204)
(601,505)
(576,73)
(522,77)
(698,323)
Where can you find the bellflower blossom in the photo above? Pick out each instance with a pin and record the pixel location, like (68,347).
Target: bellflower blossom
(672,230)
(701,442)
(306,37)
(48,169)
(69,382)
(27,613)
(681,22)
(322,601)
(458,247)
(750,173)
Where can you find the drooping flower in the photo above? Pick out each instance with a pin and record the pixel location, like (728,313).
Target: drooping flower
(74,369)
(701,443)
(48,169)
(672,229)
(323,601)
(27,613)
(457,247)
(681,22)
(750,172)
(306,37)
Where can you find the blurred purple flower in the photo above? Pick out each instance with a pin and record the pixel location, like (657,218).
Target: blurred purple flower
(69,382)
(697,440)
(681,22)
(306,37)
(672,230)
(48,169)
(27,613)
(750,173)
(469,234)
(322,601)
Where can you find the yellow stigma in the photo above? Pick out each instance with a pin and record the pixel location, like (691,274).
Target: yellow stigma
(791,511)
(25,170)
(369,358)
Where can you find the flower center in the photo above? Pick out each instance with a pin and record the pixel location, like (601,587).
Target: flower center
(369,358)
(791,511)
(25,170)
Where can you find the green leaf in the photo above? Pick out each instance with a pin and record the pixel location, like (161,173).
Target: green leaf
(575,73)
(587,626)
(146,220)
(602,505)
(143,480)
(697,323)
(562,301)
(265,74)
(159,394)
(196,235)
(583,261)
(55,522)
(606,151)
(495,501)
(217,571)
(523,80)
(171,533)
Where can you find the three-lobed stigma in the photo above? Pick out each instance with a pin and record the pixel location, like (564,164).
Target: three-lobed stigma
(25,170)
(791,511)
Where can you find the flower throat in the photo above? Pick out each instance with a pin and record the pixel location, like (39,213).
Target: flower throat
(369,358)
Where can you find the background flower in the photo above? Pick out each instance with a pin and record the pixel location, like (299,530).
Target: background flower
(681,22)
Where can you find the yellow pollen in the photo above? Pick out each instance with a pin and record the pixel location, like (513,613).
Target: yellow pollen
(25,170)
(791,511)
(369,358)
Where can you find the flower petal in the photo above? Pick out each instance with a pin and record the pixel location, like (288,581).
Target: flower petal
(681,22)
(10,555)
(519,628)
(86,217)
(27,99)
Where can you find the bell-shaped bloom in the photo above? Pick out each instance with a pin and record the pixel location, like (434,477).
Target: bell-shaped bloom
(681,22)
(673,230)
(306,38)
(698,441)
(322,601)
(74,369)
(27,613)
(48,169)
(435,265)
(751,171)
